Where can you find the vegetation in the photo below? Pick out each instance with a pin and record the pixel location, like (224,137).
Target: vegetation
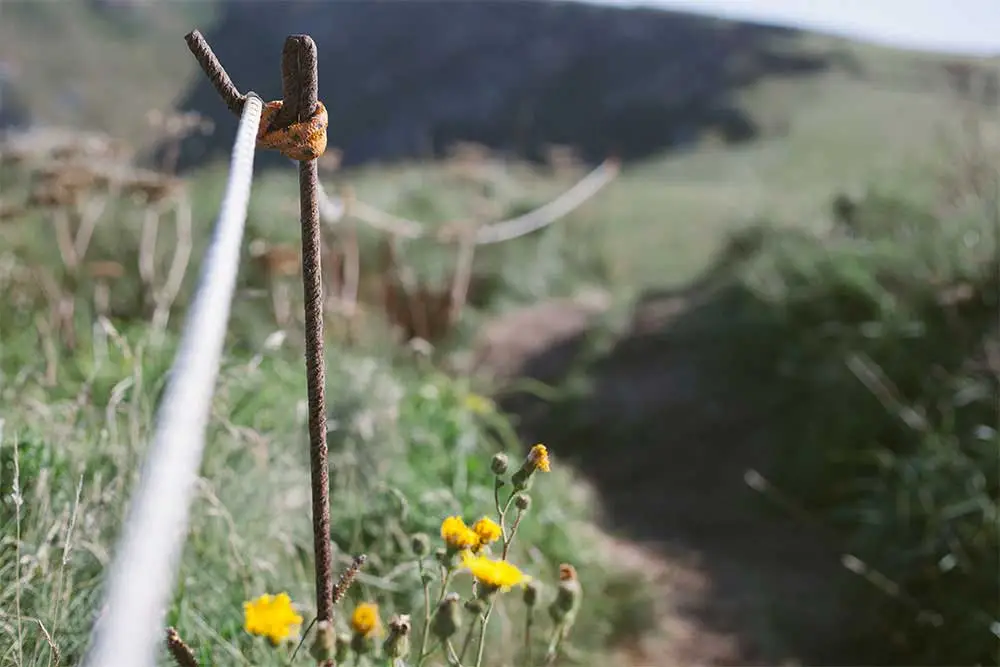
(881,349)
(410,446)
(868,344)
(869,354)
(407,452)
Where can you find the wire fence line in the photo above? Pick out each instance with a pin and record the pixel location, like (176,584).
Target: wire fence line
(145,564)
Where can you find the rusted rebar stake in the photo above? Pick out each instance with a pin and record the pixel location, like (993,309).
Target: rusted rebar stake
(215,72)
(299,88)
(299,81)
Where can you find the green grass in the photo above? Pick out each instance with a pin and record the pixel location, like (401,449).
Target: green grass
(405,449)
(405,453)
(80,69)
(873,353)
(870,359)
(843,132)
(672,213)
(890,428)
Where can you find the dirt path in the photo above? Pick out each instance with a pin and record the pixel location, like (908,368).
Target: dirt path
(668,455)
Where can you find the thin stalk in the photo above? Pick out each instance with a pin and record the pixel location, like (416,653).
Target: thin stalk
(528,623)
(558,634)
(482,635)
(425,634)
(467,641)
(513,531)
(445,580)
(452,656)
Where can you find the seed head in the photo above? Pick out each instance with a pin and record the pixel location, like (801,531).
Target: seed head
(499,464)
(397,644)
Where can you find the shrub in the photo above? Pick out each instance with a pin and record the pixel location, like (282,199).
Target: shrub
(880,348)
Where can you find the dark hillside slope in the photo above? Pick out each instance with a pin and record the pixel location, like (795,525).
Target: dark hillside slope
(407,79)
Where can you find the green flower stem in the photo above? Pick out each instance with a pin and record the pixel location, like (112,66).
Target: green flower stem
(502,515)
(452,656)
(500,511)
(482,635)
(510,499)
(467,641)
(510,539)
(427,612)
(446,574)
(555,641)
(528,623)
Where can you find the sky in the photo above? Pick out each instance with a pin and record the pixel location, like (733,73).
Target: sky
(958,26)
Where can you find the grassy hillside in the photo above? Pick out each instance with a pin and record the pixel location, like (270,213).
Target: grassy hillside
(78,67)
(412,442)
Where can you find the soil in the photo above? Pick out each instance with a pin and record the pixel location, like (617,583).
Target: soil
(668,452)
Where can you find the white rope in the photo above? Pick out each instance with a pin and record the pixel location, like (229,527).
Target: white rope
(559,207)
(333,209)
(145,565)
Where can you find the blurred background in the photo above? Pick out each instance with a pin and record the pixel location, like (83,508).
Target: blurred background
(734,262)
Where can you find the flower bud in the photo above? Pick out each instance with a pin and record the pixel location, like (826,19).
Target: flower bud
(475,606)
(421,544)
(568,595)
(325,643)
(522,501)
(446,621)
(397,644)
(530,594)
(521,480)
(499,464)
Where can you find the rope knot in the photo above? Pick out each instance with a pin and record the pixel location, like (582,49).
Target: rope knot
(301,141)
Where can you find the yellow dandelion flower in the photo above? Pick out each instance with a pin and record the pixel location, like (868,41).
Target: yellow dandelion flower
(493,573)
(487,530)
(271,616)
(365,620)
(476,404)
(538,458)
(457,535)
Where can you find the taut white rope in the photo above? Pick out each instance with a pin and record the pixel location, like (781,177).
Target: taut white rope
(142,574)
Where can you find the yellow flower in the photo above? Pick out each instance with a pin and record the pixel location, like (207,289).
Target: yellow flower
(457,535)
(538,458)
(477,404)
(493,573)
(271,616)
(487,530)
(365,620)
